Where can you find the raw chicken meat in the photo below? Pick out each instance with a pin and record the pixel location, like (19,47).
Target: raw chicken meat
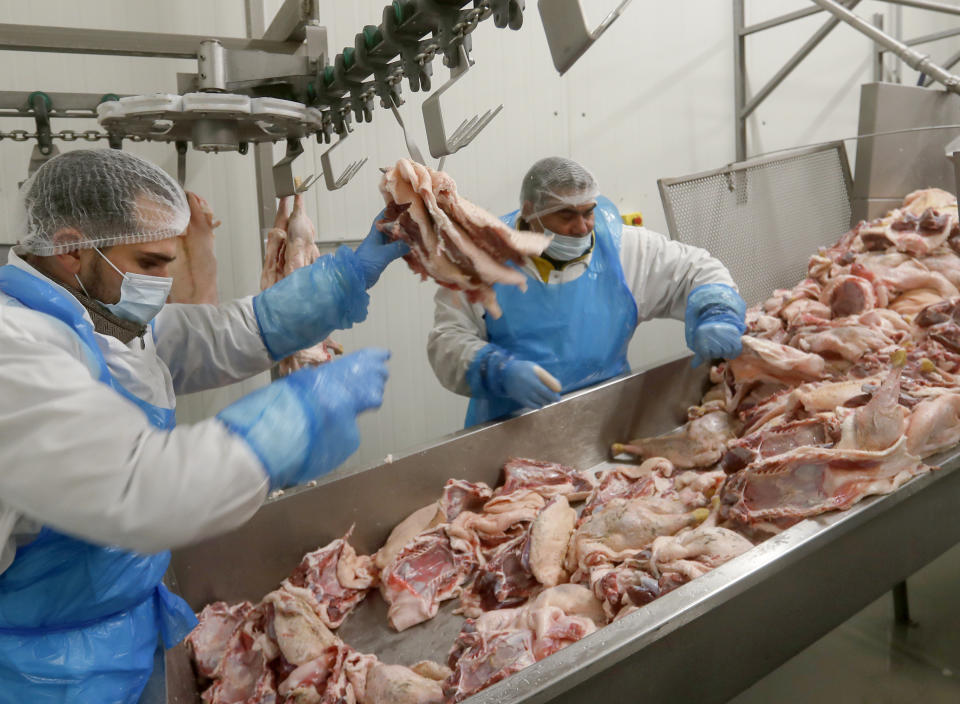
(699,443)
(409,528)
(549,538)
(427,571)
(299,632)
(451,240)
(934,425)
(459,496)
(396,684)
(807,481)
(291,244)
(521,567)
(244,675)
(657,505)
(546,478)
(763,360)
(499,643)
(668,563)
(208,641)
(333,580)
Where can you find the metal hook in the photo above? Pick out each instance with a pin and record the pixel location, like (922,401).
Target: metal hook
(333,183)
(566,28)
(441,145)
(412,148)
(284,182)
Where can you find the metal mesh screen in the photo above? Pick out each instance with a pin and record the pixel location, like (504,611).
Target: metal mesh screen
(765,218)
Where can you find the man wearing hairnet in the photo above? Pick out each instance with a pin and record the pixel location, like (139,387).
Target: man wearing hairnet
(96,483)
(585,296)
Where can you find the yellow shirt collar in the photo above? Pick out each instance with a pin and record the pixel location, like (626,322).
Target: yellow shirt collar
(545,266)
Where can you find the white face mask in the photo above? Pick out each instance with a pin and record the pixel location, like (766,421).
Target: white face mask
(565,248)
(141,296)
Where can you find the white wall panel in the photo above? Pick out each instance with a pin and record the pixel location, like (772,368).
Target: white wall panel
(653,98)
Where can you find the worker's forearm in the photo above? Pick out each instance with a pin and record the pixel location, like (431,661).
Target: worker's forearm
(302,309)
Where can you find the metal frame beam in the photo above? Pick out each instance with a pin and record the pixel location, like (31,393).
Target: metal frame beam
(743,107)
(842,12)
(66,40)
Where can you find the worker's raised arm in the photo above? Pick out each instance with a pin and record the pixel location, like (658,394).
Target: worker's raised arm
(661,273)
(459,333)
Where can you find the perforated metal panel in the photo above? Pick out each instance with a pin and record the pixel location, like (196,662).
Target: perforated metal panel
(764,218)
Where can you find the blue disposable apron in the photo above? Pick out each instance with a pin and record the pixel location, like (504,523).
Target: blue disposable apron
(79,622)
(578,331)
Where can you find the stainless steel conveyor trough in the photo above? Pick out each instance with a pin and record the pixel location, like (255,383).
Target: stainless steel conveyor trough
(703,642)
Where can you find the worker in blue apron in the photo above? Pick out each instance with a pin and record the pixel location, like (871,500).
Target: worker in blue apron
(584,298)
(98,482)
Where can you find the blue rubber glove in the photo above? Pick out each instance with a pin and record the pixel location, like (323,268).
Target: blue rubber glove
(494,372)
(714,322)
(303,308)
(305,424)
(377,251)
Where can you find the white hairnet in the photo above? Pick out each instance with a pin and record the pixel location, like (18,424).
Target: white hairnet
(556,183)
(109,196)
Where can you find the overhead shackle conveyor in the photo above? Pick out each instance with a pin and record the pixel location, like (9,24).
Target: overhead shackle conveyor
(285,87)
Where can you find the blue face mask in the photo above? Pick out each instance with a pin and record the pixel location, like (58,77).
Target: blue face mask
(565,248)
(141,296)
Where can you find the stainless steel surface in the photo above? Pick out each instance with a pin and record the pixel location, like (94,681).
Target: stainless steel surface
(211,66)
(567,32)
(762,607)
(890,166)
(21,37)
(914,59)
(755,216)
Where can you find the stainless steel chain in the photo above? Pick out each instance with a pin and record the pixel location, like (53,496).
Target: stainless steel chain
(66,136)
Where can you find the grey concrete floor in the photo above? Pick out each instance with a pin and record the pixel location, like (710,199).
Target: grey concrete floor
(872,660)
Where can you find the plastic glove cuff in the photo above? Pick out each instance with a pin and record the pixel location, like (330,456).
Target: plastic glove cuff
(305,307)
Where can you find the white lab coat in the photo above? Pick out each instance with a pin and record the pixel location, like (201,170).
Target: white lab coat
(77,456)
(659,272)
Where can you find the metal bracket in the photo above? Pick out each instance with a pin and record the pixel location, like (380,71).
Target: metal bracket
(333,183)
(566,28)
(181,162)
(41,105)
(438,141)
(284,182)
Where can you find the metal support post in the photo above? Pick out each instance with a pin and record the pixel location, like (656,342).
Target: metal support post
(739,80)
(878,51)
(901,604)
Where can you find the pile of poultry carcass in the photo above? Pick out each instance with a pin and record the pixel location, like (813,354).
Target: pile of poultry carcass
(530,574)
(845,384)
(453,241)
(846,381)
